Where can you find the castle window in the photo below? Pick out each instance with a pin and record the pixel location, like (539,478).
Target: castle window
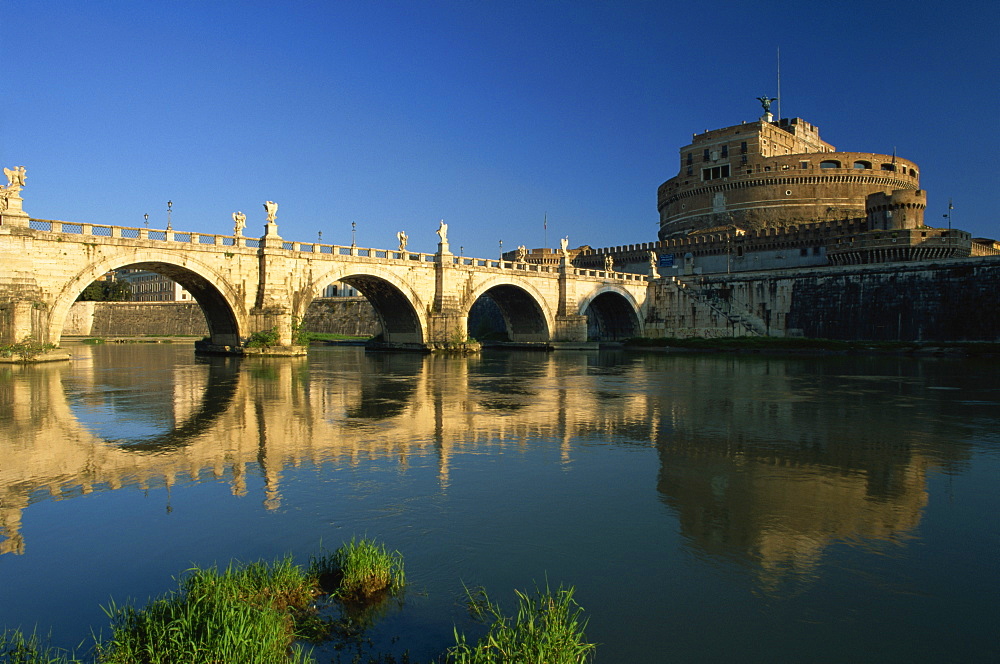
(690,170)
(715,172)
(888,167)
(704,155)
(743,159)
(690,158)
(725,151)
(743,147)
(829,163)
(913,173)
(863,165)
(803,165)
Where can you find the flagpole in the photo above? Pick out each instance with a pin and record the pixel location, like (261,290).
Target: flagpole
(545,228)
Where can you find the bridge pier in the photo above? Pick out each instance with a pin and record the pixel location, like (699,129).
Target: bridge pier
(17,322)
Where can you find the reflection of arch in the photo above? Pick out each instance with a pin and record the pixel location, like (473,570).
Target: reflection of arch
(521,306)
(397,306)
(208,288)
(612,315)
(223,378)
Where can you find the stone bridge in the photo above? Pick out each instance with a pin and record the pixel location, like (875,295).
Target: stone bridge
(246,285)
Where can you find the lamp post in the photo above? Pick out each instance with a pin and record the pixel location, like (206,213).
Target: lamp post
(145,218)
(501,253)
(319,237)
(354,227)
(170,205)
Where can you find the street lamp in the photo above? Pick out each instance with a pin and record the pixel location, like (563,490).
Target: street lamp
(319,237)
(501,253)
(146,220)
(170,204)
(354,227)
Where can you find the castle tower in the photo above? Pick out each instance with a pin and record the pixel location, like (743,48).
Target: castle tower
(773,174)
(897,210)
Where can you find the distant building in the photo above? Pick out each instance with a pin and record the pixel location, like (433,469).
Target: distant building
(773,174)
(152,287)
(771,195)
(340,289)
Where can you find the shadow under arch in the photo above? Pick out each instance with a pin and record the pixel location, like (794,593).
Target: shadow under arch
(220,390)
(223,327)
(208,289)
(611,316)
(516,314)
(397,307)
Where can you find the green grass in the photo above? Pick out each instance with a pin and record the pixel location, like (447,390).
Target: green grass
(548,628)
(360,571)
(18,648)
(246,613)
(27,349)
(329,336)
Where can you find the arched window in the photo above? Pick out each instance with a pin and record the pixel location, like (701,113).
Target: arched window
(888,167)
(863,165)
(829,163)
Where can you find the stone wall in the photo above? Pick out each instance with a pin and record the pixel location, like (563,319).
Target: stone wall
(953,300)
(352,316)
(349,316)
(130,319)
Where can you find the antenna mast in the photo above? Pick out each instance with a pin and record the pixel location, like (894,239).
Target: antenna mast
(779,84)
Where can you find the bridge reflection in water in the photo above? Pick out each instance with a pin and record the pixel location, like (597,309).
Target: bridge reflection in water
(759,461)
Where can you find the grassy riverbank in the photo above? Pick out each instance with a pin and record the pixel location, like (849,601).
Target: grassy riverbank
(270,613)
(818,346)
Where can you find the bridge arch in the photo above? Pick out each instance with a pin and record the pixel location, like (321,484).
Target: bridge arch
(400,311)
(227,321)
(525,313)
(613,314)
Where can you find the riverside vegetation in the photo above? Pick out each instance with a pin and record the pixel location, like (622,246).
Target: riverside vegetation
(267,612)
(26,350)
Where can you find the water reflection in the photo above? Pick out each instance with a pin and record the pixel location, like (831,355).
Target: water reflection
(762,461)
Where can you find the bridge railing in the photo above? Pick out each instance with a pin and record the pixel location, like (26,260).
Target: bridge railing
(190,237)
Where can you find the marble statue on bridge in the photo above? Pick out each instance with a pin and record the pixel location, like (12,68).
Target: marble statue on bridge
(15,177)
(402,238)
(442,232)
(240,221)
(522,254)
(271,208)
(609,263)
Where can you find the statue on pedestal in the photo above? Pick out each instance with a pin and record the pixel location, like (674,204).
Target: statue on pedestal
(240,221)
(402,238)
(271,208)
(609,263)
(10,198)
(653,272)
(15,177)
(522,254)
(442,232)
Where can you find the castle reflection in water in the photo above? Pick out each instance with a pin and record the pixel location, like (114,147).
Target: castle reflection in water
(759,462)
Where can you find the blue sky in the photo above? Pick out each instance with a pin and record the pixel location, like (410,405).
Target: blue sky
(489,115)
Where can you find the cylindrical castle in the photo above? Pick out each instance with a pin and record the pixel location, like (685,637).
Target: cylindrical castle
(769,174)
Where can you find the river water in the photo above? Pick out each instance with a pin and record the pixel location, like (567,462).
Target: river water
(707,507)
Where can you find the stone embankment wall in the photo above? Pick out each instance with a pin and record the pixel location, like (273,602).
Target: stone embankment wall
(352,316)
(131,319)
(342,315)
(953,300)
